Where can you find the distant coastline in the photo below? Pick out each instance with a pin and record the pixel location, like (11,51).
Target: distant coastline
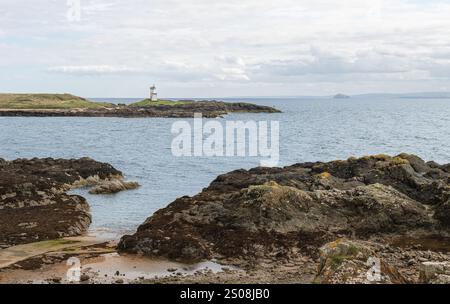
(417,95)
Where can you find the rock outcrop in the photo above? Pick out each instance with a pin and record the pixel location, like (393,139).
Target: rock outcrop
(355,262)
(209,109)
(34,204)
(283,212)
(113,186)
(435,272)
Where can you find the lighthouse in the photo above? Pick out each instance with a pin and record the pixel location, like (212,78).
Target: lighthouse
(153,94)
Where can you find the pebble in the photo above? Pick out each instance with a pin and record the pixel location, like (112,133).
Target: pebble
(56,280)
(84,278)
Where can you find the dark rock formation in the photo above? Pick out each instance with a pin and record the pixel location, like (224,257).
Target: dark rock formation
(278,212)
(34,205)
(209,109)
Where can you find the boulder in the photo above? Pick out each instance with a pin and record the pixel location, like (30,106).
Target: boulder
(278,212)
(355,262)
(113,186)
(435,272)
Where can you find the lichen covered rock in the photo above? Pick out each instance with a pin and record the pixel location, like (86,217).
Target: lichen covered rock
(278,212)
(355,262)
(435,272)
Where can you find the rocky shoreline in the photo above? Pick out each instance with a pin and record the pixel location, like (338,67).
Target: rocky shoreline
(34,204)
(335,215)
(327,223)
(209,109)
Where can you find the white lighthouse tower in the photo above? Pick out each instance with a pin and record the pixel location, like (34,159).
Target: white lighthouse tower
(153,94)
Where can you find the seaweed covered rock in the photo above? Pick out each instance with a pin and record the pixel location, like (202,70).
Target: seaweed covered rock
(34,205)
(278,212)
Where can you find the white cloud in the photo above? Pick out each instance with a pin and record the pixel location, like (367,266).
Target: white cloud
(232,74)
(93,70)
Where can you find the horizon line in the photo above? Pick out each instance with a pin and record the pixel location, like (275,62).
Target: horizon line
(294,96)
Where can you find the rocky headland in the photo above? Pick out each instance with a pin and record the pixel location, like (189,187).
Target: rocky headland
(323,219)
(35,205)
(66,105)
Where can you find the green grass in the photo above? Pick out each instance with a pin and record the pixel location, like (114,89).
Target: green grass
(148,103)
(269,186)
(48,101)
(337,260)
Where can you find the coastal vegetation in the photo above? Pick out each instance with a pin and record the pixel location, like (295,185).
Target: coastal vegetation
(69,101)
(161,102)
(48,101)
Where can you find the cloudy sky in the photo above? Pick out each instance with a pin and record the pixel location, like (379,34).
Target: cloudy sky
(206,48)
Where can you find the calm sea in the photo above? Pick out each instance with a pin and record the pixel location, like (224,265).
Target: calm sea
(311,129)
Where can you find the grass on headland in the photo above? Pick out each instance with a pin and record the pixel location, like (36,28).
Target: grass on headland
(149,102)
(48,101)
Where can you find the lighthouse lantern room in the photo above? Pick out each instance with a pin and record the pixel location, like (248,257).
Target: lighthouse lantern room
(153,94)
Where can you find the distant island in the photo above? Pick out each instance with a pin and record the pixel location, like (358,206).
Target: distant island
(53,105)
(341,96)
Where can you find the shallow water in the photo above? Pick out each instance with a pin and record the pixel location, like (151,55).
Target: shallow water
(433,243)
(108,268)
(134,268)
(311,130)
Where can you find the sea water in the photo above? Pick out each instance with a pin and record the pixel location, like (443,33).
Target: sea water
(311,129)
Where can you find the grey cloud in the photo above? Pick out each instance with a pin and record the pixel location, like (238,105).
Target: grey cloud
(93,70)
(320,62)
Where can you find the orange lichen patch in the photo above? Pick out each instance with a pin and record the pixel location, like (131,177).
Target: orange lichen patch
(399,161)
(324,175)
(335,243)
(379,157)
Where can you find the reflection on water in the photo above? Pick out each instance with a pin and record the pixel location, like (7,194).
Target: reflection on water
(132,268)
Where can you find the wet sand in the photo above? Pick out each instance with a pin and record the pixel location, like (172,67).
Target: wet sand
(47,262)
